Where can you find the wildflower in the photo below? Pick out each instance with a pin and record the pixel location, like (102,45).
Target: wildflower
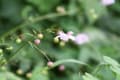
(70,35)
(108,2)
(37,41)
(65,37)
(81,39)
(50,64)
(61,68)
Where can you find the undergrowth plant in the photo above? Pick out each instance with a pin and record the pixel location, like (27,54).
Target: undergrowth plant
(59,39)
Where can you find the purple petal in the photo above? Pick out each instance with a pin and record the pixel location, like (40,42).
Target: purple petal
(108,2)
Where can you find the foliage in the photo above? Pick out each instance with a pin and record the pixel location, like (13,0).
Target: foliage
(35,32)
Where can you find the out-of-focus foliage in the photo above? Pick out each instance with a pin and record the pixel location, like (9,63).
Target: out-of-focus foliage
(22,20)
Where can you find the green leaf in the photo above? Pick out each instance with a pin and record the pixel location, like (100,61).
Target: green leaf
(117,77)
(88,76)
(8,76)
(115,69)
(40,73)
(110,61)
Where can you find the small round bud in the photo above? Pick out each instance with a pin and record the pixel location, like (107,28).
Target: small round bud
(1,51)
(62,43)
(95,16)
(60,9)
(29,75)
(37,41)
(18,40)
(61,68)
(30,18)
(4,61)
(56,40)
(50,64)
(9,48)
(40,36)
(3,68)
(44,72)
(19,71)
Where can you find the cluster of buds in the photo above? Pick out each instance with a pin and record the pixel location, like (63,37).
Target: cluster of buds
(39,36)
(60,68)
(79,39)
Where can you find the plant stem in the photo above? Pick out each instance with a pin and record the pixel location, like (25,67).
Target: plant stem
(37,19)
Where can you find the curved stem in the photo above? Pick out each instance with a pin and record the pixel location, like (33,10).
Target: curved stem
(68,61)
(29,22)
(39,50)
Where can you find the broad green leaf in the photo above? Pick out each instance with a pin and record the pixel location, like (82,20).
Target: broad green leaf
(105,73)
(110,61)
(117,77)
(115,69)
(88,76)
(8,76)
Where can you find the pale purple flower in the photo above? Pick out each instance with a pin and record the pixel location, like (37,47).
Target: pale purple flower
(108,2)
(81,38)
(65,37)
(70,33)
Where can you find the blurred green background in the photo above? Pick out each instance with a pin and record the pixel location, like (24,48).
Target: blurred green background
(21,20)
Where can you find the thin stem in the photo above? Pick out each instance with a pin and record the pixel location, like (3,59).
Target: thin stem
(15,53)
(68,61)
(97,51)
(28,22)
(98,68)
(39,50)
